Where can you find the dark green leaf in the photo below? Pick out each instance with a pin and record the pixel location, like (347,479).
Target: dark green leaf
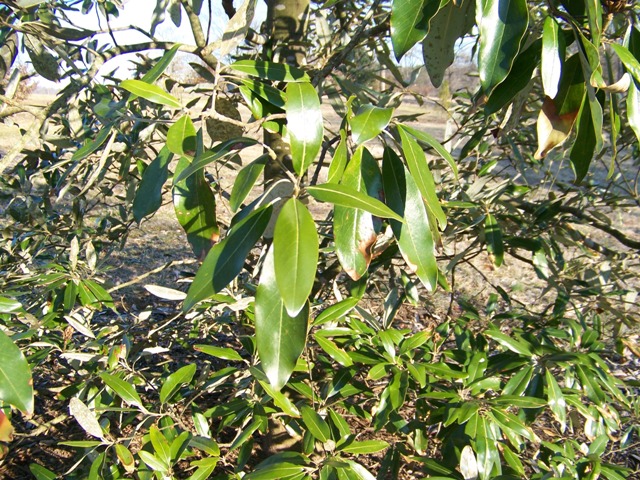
(226,259)
(15,376)
(414,236)
(265,70)
(410,23)
(519,346)
(502,24)
(493,237)
(585,143)
(417,163)
(557,403)
(245,180)
(8,305)
(150,92)
(295,243)
(161,65)
(335,352)
(304,123)
(90,147)
(267,92)
(315,424)
(148,197)
(280,338)
(195,207)
(336,311)
(174,381)
(123,389)
(345,196)
(424,137)
(219,352)
(369,122)
(453,21)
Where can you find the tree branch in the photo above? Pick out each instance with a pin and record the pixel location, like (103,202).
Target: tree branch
(196,27)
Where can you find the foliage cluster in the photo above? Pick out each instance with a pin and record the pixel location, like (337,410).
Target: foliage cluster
(294,355)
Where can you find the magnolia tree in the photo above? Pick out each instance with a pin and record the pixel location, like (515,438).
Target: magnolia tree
(321,377)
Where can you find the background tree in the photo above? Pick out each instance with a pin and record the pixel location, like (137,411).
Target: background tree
(343,338)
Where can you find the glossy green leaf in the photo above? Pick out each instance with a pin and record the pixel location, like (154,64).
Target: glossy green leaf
(123,389)
(295,243)
(364,447)
(410,23)
(585,142)
(266,92)
(346,196)
(304,123)
(148,197)
(15,376)
(224,353)
(590,385)
(442,370)
(275,471)
(41,473)
(174,381)
(93,145)
(355,230)
(245,181)
(153,462)
(195,207)
(213,155)
(369,122)
(161,65)
(453,21)
(487,453)
(424,137)
(335,352)
(336,311)
(280,337)
(150,92)
(226,259)
(493,238)
(594,14)
(414,236)
(181,137)
(502,25)
(509,422)
(357,471)
(161,446)
(518,346)
(557,403)
(518,401)
(553,49)
(417,163)
(315,424)
(279,72)
(280,400)
(633,108)
(517,80)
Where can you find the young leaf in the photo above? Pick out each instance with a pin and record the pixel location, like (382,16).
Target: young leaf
(280,337)
(15,376)
(245,181)
(417,163)
(295,244)
(518,346)
(226,259)
(493,239)
(339,160)
(174,381)
(150,92)
(279,72)
(181,137)
(410,23)
(369,122)
(414,236)
(148,197)
(502,24)
(453,20)
(304,123)
(195,207)
(553,48)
